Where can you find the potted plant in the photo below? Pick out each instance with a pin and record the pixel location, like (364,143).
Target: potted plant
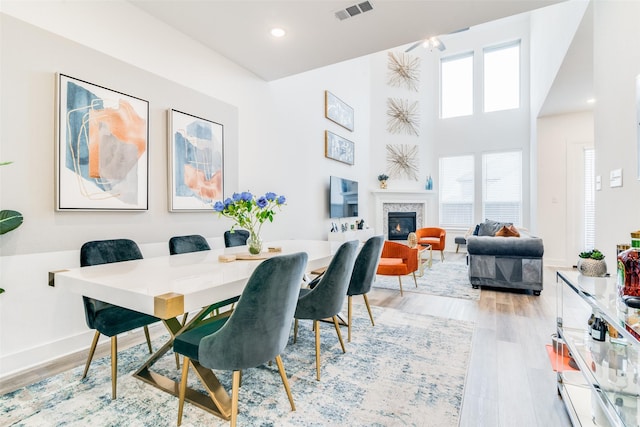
(9,220)
(383,177)
(591,263)
(250,212)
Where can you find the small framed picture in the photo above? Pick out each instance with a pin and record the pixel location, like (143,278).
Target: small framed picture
(338,111)
(196,162)
(338,148)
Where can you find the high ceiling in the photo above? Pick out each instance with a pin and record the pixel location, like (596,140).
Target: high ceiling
(239,30)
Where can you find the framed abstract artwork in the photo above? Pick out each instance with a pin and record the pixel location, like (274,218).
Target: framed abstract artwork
(338,111)
(338,148)
(196,162)
(102,157)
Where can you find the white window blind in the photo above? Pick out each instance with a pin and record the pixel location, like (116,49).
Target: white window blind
(589,199)
(456,86)
(456,191)
(502,77)
(502,186)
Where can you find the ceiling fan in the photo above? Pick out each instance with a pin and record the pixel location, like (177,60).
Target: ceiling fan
(433,42)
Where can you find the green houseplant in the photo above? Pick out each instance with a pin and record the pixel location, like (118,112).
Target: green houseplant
(383,177)
(591,263)
(9,220)
(250,212)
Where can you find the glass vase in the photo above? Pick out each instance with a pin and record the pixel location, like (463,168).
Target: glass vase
(254,242)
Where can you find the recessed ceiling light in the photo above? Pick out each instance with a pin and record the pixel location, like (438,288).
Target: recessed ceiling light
(278,32)
(591,101)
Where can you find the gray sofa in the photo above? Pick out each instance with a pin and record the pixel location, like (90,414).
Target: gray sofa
(504,262)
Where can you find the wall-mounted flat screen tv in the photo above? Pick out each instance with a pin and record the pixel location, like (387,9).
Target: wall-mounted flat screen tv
(343,198)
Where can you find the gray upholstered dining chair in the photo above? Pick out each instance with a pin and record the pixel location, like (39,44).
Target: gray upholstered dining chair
(364,271)
(325,300)
(108,319)
(235,238)
(256,332)
(190,243)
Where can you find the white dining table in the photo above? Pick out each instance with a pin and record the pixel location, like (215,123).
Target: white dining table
(168,286)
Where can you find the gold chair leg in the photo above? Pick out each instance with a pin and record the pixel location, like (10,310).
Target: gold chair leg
(366,302)
(92,350)
(234,397)
(184,322)
(283,375)
(295,330)
(442,256)
(114,365)
(337,326)
(146,335)
(414,279)
(183,388)
(400,281)
(349,308)
(316,327)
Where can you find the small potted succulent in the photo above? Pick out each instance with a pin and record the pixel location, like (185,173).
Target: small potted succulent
(591,263)
(383,177)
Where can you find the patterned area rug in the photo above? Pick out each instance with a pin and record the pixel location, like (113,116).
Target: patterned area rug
(407,370)
(448,279)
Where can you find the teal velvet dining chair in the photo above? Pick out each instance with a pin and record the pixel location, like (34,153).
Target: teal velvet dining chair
(235,238)
(108,319)
(326,299)
(189,243)
(256,332)
(364,272)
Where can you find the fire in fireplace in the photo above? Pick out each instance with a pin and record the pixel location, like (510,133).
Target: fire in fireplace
(400,224)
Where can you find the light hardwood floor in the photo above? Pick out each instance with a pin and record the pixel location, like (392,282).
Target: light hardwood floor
(510,381)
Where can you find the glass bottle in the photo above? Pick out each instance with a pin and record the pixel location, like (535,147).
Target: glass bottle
(598,328)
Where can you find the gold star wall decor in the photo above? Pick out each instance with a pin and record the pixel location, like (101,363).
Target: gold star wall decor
(403,116)
(402,161)
(404,71)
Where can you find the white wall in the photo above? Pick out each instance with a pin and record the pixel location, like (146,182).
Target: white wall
(281,149)
(616,66)
(561,139)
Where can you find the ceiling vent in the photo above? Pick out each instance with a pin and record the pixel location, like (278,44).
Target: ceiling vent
(354,10)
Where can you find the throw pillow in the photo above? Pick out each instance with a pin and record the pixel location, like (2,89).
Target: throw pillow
(490,227)
(508,231)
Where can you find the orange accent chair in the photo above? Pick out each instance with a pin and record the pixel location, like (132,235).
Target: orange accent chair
(399,260)
(434,236)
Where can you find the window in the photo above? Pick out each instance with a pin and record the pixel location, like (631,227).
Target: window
(456,191)
(502,186)
(589,199)
(456,86)
(502,77)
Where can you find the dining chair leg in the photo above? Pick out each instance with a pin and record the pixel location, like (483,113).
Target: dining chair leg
(283,375)
(414,279)
(183,388)
(295,330)
(442,256)
(349,308)
(114,365)
(234,397)
(92,350)
(366,302)
(337,326)
(400,281)
(146,335)
(317,329)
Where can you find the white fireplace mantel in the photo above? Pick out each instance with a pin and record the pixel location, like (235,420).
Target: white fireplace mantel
(381,197)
